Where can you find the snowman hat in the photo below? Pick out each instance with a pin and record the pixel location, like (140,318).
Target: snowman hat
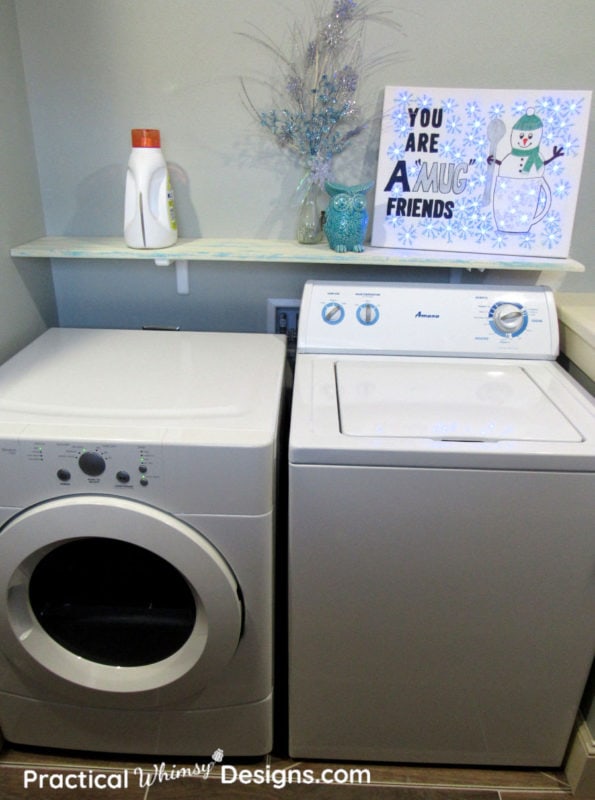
(528,122)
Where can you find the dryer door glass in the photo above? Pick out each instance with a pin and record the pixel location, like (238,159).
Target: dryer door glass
(117,597)
(112,602)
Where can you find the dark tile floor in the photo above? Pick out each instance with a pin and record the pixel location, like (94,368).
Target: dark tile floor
(40,775)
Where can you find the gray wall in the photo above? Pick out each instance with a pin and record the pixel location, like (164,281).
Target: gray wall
(97,68)
(26,293)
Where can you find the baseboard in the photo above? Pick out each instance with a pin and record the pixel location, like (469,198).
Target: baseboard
(580,762)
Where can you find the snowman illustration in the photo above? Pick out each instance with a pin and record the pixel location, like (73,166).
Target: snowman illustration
(522,196)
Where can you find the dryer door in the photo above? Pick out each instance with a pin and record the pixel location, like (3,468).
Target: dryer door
(107,597)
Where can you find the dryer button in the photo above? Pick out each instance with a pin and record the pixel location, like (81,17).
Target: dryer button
(123,476)
(63,475)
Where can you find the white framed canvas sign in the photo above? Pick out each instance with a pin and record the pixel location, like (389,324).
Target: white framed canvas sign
(480,170)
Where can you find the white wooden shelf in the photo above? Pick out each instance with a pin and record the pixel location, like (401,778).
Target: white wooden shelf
(279,251)
(275,251)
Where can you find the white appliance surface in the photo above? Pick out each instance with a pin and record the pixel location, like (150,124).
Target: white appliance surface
(428,319)
(474,396)
(138,494)
(204,381)
(447,402)
(180,400)
(441,548)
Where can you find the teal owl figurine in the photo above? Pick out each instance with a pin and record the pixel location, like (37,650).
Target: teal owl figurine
(346,216)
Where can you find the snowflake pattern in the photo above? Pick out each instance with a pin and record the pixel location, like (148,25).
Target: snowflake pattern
(464,138)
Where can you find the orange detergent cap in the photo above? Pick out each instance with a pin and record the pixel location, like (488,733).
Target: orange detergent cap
(146,137)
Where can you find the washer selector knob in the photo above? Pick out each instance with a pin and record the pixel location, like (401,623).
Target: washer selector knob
(367,314)
(92,463)
(508,319)
(333,313)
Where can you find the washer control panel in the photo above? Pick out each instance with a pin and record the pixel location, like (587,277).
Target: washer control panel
(428,319)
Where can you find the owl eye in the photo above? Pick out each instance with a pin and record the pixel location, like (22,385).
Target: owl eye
(358,203)
(341,202)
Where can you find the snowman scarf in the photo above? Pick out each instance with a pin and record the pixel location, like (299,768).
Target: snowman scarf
(532,156)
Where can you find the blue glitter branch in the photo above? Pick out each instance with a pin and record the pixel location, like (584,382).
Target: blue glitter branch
(318,113)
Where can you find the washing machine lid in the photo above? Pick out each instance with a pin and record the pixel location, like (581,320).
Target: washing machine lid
(154,380)
(453,413)
(456,402)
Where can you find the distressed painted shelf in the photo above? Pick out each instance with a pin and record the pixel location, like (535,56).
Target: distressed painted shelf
(279,251)
(275,251)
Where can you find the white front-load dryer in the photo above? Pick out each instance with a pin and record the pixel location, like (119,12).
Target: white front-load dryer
(137,519)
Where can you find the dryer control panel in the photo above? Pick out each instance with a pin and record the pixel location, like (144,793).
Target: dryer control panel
(34,468)
(428,319)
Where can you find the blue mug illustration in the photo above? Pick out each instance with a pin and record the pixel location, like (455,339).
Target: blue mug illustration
(522,196)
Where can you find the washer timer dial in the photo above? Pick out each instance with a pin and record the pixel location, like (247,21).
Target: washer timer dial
(508,319)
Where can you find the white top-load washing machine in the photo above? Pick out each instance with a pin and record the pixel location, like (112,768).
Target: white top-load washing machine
(441,529)
(137,503)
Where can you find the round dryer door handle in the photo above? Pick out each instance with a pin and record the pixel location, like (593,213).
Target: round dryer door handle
(31,535)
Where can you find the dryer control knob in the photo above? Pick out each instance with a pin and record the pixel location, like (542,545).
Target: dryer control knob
(92,463)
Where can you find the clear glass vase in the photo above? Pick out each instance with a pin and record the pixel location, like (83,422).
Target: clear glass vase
(309,224)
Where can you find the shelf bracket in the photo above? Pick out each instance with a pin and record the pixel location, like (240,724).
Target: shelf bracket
(182,279)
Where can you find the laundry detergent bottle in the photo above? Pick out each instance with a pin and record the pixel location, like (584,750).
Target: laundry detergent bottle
(149,210)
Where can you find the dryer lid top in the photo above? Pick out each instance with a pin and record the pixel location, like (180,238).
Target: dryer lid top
(149,378)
